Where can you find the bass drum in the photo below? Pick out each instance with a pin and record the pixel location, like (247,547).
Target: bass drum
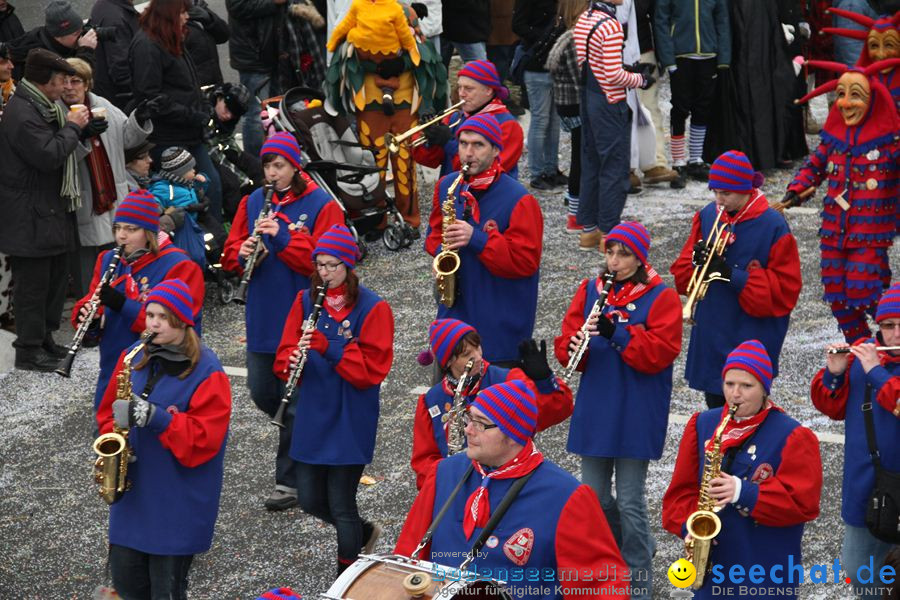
(392,577)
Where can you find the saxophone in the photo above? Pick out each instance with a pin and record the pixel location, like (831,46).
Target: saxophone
(113,451)
(456,428)
(704,524)
(446,263)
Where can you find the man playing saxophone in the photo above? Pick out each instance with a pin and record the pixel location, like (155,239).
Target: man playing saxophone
(497,233)
(767,486)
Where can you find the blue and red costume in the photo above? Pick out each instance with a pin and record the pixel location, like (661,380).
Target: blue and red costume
(499,268)
(757,302)
(122,328)
(780,469)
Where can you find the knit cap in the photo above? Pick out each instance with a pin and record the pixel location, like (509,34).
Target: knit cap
(177,161)
(139,208)
(338,242)
(485,125)
(175,295)
(733,172)
(889,305)
(632,235)
(511,405)
(60,19)
(751,356)
(283,144)
(444,335)
(485,73)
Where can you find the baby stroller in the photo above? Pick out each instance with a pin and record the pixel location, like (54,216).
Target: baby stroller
(342,166)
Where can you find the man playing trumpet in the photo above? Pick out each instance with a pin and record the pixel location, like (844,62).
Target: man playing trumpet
(754,282)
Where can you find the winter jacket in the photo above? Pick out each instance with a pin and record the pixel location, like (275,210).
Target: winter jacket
(10,26)
(535,21)
(467,21)
(35,222)
(206,30)
(644,10)
(562,63)
(112,75)
(39,38)
(692,28)
(253,45)
(183,114)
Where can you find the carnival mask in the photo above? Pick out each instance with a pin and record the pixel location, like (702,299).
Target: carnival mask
(853,97)
(883,44)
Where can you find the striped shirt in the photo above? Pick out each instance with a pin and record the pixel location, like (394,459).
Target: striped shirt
(605,54)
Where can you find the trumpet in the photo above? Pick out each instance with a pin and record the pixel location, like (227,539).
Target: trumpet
(240,295)
(847,350)
(586,339)
(447,262)
(699,282)
(394,142)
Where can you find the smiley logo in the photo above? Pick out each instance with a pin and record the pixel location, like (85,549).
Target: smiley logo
(682,573)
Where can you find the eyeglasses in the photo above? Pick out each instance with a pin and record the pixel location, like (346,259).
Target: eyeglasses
(73,81)
(479,426)
(125,228)
(329,267)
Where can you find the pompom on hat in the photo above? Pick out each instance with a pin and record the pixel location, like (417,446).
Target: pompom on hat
(338,242)
(139,208)
(632,235)
(283,144)
(512,406)
(175,295)
(444,335)
(485,73)
(889,305)
(486,125)
(733,172)
(751,356)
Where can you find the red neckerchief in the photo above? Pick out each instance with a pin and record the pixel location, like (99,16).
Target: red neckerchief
(471,389)
(478,506)
(479,183)
(336,302)
(494,106)
(736,432)
(630,291)
(755,206)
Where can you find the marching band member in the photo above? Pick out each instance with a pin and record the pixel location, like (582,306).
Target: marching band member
(768,486)
(482,93)
(757,277)
(840,390)
(626,379)
(498,234)
(144,263)
(178,422)
(300,214)
(349,353)
(554,525)
(453,345)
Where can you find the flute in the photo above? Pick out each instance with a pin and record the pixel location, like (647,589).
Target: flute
(847,350)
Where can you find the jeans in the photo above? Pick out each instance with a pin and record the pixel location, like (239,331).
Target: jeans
(858,548)
(137,575)
(626,513)
(204,165)
(847,50)
(266,391)
(261,86)
(543,132)
(328,492)
(467,51)
(39,293)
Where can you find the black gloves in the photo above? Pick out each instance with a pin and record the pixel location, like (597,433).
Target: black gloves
(718,265)
(420,9)
(649,80)
(534,360)
(701,252)
(605,327)
(111,297)
(142,112)
(645,70)
(94,128)
(790,199)
(438,134)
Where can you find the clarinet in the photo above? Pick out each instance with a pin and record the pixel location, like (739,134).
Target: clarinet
(294,377)
(454,417)
(240,295)
(586,339)
(65,365)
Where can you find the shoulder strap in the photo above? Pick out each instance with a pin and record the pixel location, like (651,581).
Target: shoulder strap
(870,429)
(442,513)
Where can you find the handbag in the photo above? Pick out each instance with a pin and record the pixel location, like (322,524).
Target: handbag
(883,510)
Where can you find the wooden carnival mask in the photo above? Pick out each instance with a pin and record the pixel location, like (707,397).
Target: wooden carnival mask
(853,97)
(883,44)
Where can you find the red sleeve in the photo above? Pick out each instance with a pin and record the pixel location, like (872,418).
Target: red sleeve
(680,499)
(104,411)
(367,359)
(196,436)
(889,395)
(682,268)
(237,235)
(95,281)
(513,142)
(430,156)
(425,452)
(418,519)
(298,253)
(290,335)
(189,272)
(791,495)
(585,544)
(435,223)
(572,322)
(831,403)
(553,407)
(774,291)
(516,252)
(654,346)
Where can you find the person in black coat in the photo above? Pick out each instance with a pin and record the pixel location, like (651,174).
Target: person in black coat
(10,26)
(37,200)
(467,26)
(206,30)
(112,75)
(61,34)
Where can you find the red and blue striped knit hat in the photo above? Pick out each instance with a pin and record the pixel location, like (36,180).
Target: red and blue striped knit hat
(485,125)
(485,73)
(175,295)
(139,208)
(889,305)
(751,356)
(733,172)
(338,242)
(280,594)
(444,335)
(283,144)
(511,405)
(634,236)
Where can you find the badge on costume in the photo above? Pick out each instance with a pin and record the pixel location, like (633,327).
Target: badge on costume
(752,451)
(435,411)
(763,472)
(871,184)
(631,306)
(300,224)
(492,542)
(873,154)
(518,547)
(344,329)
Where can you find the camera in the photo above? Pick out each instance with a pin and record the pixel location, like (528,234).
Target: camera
(104,34)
